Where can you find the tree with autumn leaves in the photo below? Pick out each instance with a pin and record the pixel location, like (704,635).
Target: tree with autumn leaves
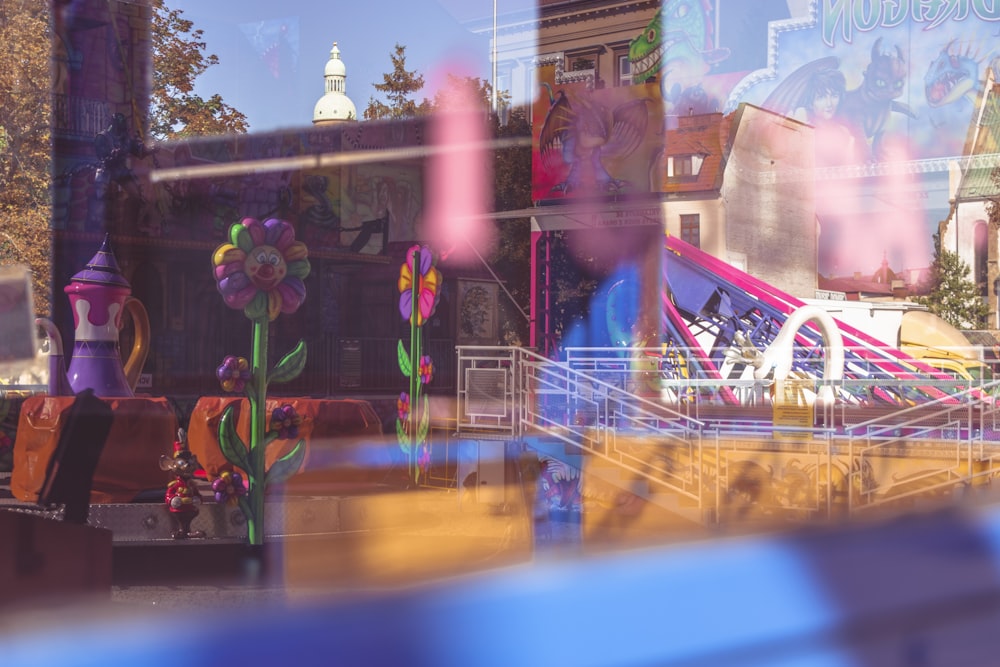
(511,173)
(25,140)
(26,31)
(179,58)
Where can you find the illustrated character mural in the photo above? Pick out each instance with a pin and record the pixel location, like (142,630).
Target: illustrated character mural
(951,84)
(559,485)
(867,108)
(860,115)
(320,222)
(677,48)
(814,94)
(580,136)
(892,114)
(893,85)
(378,206)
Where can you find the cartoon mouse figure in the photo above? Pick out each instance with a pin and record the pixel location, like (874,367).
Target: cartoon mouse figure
(182,497)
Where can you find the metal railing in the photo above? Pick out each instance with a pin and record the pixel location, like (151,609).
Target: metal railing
(958,431)
(677,433)
(514,391)
(80,116)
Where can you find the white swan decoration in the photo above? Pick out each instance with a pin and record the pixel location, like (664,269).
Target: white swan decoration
(778,356)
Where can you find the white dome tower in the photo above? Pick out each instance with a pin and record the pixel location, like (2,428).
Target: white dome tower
(335,106)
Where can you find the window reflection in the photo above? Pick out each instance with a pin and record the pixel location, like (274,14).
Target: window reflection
(674,199)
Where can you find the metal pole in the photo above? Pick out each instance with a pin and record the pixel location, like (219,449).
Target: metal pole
(495,110)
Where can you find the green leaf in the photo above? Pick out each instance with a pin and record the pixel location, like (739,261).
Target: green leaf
(257,308)
(401,435)
(290,365)
(299,268)
(245,507)
(404,360)
(231,444)
(425,421)
(287,465)
(237,234)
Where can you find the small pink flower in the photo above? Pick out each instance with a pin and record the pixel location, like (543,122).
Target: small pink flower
(286,422)
(426,369)
(228,487)
(403,406)
(233,374)
(424,460)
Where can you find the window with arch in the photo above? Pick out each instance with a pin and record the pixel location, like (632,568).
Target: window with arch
(980,256)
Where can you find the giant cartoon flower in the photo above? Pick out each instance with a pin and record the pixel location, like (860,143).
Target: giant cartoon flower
(426,290)
(261,269)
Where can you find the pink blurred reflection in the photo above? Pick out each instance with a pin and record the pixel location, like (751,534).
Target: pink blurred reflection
(458,175)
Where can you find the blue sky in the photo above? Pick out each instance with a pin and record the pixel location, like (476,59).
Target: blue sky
(278,88)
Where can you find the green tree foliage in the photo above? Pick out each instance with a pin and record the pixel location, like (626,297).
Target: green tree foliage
(25,140)
(178,59)
(953,295)
(511,173)
(399,87)
(512,192)
(481,89)
(511,259)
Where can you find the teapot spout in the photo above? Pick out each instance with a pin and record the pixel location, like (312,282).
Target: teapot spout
(58,380)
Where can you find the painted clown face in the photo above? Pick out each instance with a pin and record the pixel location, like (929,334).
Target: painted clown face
(265,266)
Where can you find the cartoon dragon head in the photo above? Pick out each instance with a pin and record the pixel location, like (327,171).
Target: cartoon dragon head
(951,75)
(679,37)
(885,76)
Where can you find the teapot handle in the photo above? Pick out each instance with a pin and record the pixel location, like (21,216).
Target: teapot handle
(140,347)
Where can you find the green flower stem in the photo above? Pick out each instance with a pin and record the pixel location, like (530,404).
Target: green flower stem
(257,396)
(414,365)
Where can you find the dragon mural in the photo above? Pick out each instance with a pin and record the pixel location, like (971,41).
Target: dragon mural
(676,46)
(579,137)
(951,84)
(816,93)
(867,108)
(560,485)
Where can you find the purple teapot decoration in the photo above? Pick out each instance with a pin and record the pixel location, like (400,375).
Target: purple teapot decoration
(98,295)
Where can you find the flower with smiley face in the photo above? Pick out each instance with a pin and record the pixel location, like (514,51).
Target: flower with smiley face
(262,268)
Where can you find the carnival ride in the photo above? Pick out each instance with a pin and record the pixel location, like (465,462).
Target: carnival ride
(753,399)
(748,323)
(750,393)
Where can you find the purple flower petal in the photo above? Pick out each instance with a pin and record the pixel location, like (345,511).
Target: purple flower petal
(240,299)
(256,231)
(406,304)
(278,233)
(293,293)
(234,282)
(425,260)
(223,270)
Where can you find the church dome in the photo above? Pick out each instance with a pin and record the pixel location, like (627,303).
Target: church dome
(335,66)
(335,106)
